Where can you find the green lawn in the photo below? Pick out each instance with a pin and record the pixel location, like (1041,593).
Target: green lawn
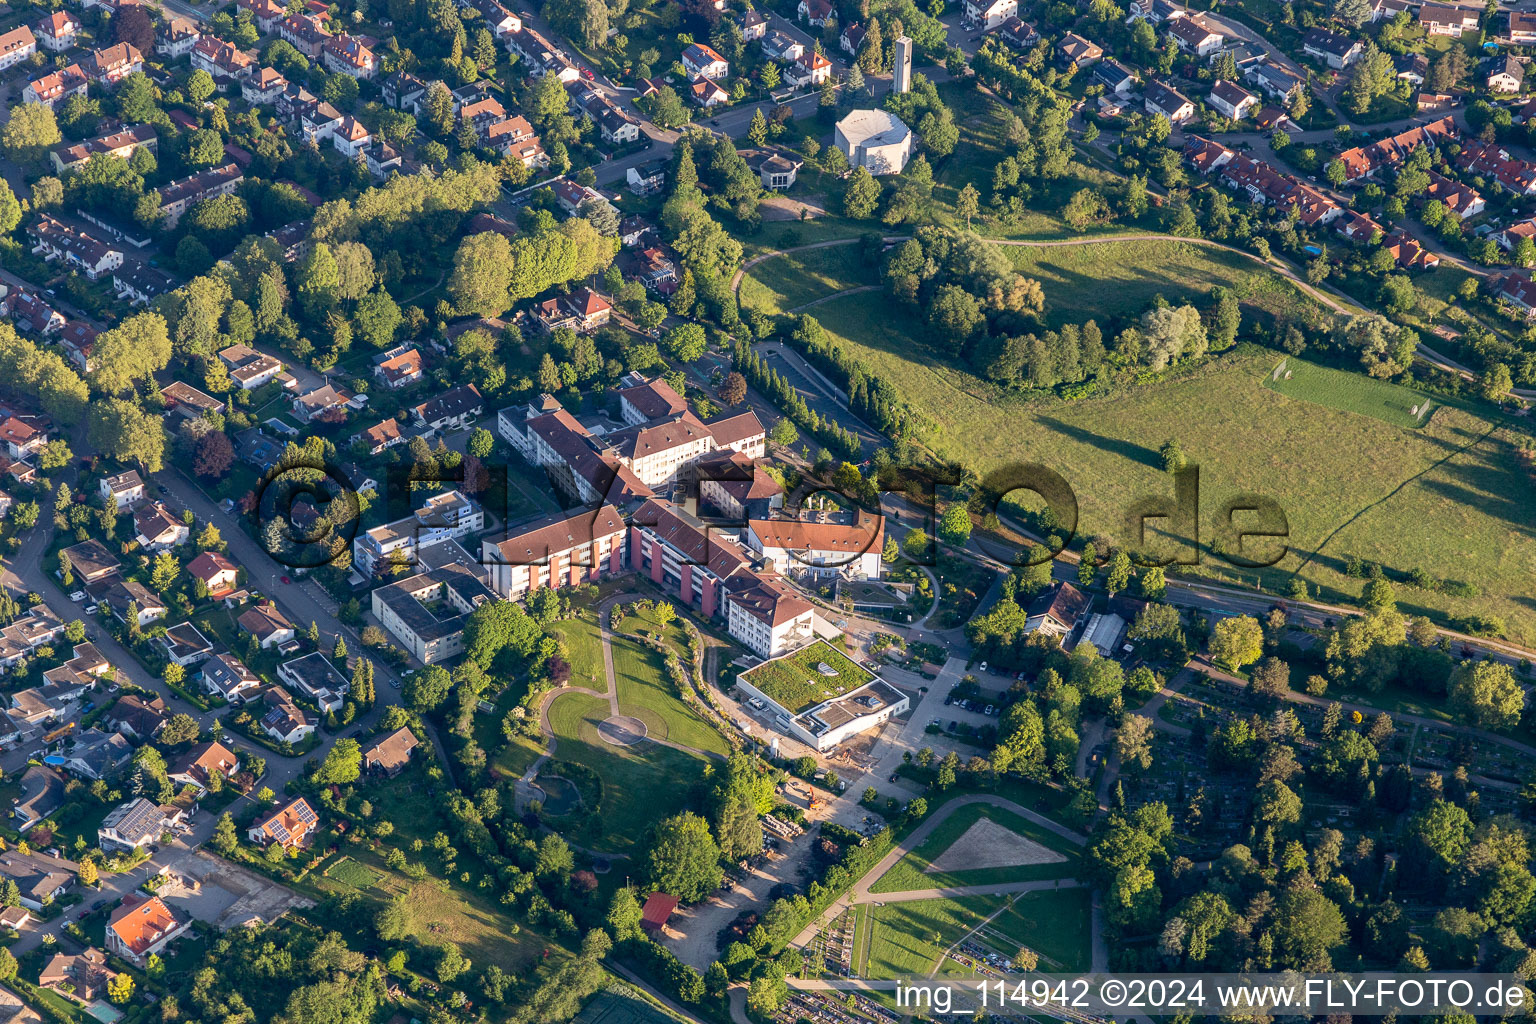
(1349,392)
(909,938)
(353,873)
(640,785)
(1056,924)
(647,693)
(1444,498)
(584,644)
(785,282)
(911,872)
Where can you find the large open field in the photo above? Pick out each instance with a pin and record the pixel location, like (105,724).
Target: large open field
(1446,497)
(914,870)
(1057,925)
(1115,279)
(639,785)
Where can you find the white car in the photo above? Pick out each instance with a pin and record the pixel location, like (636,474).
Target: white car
(77,596)
(89,609)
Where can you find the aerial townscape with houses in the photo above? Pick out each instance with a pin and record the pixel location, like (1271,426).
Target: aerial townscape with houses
(646,511)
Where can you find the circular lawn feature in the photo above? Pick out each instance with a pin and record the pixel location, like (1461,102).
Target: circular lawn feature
(559,796)
(621,730)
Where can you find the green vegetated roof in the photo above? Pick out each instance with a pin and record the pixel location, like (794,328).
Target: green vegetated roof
(797,681)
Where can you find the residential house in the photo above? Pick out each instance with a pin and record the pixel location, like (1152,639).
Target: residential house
(815,13)
(187,401)
(1117,79)
(1018,33)
(83,976)
(1334,49)
(389,755)
(707,93)
(184,644)
(350,137)
(781,46)
(315,677)
(198,766)
(1503,74)
(382,158)
(753,26)
(1232,100)
(90,560)
(324,404)
(248,368)
(305,33)
(850,39)
(224,61)
(266,14)
(140,284)
(701,61)
(1058,610)
(1075,50)
(1462,200)
(454,409)
(1445,20)
(226,676)
(346,55)
(263,87)
(120,144)
(1518,290)
(177,37)
(1193,36)
(31,313)
(16,46)
(55,87)
(811,69)
(1522,28)
(77,340)
(284,720)
(382,435)
(139,718)
(113,64)
(1411,67)
(1515,233)
(291,826)
(98,755)
(268,625)
(399,367)
(988,14)
(180,196)
(126,489)
(647,179)
(132,826)
(1275,81)
(1161,98)
(120,596)
(143,926)
(23,436)
(156,529)
(57,31)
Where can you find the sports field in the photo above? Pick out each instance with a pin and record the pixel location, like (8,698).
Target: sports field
(1349,392)
(638,785)
(915,870)
(1446,497)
